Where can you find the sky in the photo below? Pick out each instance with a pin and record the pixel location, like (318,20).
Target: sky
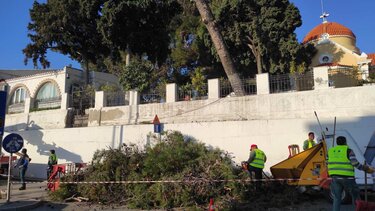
(359,16)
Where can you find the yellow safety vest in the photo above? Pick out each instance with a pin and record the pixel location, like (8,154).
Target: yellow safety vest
(338,161)
(52,160)
(258,161)
(310,144)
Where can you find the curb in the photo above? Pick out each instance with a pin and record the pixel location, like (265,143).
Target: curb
(13,206)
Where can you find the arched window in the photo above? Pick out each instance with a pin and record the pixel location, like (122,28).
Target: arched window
(48,97)
(48,91)
(18,96)
(17,101)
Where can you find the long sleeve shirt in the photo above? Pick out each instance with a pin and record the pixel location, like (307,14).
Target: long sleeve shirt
(355,162)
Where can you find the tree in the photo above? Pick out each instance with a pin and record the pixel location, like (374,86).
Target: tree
(68,27)
(137,75)
(220,46)
(265,30)
(139,27)
(95,31)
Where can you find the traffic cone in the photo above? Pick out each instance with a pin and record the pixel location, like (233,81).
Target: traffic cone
(211,207)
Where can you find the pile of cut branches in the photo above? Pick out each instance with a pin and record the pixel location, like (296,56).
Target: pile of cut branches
(174,158)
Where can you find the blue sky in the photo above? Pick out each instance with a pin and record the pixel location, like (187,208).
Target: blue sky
(356,15)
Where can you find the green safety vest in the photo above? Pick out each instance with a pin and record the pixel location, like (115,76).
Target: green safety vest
(52,159)
(258,161)
(338,162)
(310,144)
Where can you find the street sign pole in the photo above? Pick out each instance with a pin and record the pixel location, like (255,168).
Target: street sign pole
(12,144)
(157,127)
(9,169)
(3,103)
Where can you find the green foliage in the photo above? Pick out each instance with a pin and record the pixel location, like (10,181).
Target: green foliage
(92,31)
(139,26)
(294,68)
(189,49)
(198,81)
(68,27)
(108,88)
(136,75)
(267,26)
(174,157)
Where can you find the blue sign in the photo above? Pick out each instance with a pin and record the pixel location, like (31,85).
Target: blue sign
(3,103)
(157,128)
(13,143)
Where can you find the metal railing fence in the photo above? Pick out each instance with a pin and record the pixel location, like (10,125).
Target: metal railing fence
(192,94)
(291,82)
(116,99)
(248,84)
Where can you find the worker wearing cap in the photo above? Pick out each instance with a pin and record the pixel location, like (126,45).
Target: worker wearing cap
(307,144)
(341,163)
(256,162)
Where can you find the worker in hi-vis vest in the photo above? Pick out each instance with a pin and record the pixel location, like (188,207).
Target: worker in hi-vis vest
(341,163)
(52,160)
(307,144)
(256,162)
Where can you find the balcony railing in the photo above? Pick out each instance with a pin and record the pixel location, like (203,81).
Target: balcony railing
(48,103)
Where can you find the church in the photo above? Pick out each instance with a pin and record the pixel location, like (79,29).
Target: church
(336,47)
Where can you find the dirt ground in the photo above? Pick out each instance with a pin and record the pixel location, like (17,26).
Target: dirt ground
(311,203)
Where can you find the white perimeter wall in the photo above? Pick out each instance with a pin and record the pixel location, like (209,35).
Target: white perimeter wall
(271,121)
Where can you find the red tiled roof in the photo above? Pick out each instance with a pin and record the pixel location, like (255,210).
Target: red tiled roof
(331,28)
(372,57)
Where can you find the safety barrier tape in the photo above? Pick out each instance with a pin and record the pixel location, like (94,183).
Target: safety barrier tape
(189,181)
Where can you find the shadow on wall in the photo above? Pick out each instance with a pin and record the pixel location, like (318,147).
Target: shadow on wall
(35,138)
(360,134)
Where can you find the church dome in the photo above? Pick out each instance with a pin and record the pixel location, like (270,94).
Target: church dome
(331,28)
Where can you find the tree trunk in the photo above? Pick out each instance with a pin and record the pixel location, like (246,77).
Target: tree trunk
(256,52)
(87,73)
(259,63)
(128,54)
(221,48)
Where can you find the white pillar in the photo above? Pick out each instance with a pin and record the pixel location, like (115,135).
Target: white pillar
(263,84)
(364,71)
(213,88)
(64,101)
(321,80)
(134,98)
(100,99)
(171,93)
(28,102)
